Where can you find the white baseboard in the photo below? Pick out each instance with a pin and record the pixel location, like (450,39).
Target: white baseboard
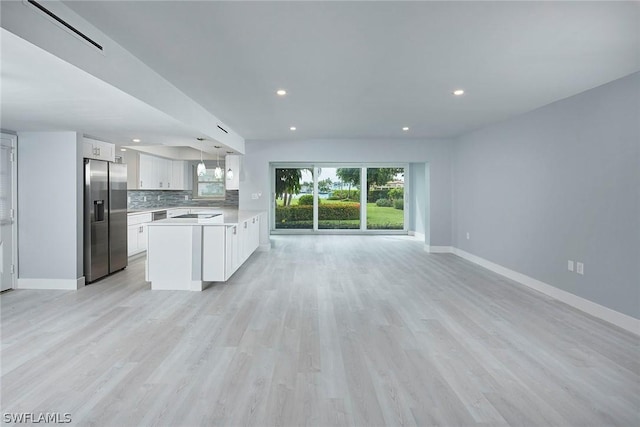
(438,249)
(51,284)
(621,320)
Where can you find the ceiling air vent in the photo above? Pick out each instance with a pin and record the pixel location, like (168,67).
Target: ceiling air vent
(64,23)
(223,130)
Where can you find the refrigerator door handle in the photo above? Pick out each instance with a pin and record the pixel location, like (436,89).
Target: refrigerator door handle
(99,210)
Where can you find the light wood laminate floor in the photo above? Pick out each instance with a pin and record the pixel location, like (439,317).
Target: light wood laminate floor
(321,330)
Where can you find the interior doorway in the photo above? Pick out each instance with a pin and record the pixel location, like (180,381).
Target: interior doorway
(8,238)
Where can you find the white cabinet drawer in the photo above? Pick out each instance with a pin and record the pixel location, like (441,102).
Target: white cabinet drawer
(134,219)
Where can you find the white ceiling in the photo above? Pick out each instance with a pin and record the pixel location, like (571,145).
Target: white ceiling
(41,92)
(352,69)
(366,69)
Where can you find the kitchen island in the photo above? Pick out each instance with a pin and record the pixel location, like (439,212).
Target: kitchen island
(188,253)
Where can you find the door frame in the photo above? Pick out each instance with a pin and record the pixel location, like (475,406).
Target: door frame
(363,201)
(14,205)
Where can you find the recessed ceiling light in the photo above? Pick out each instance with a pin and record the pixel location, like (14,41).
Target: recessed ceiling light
(123,149)
(281,92)
(292,128)
(458,92)
(135,140)
(405,128)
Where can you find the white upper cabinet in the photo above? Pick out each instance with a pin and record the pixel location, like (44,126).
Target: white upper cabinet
(232,162)
(99,150)
(132,160)
(156,173)
(147,173)
(178,179)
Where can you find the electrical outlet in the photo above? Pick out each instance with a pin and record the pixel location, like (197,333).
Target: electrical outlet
(158,197)
(128,199)
(580,268)
(570,265)
(144,198)
(468,235)
(186,197)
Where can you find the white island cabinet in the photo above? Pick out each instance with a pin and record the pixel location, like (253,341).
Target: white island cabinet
(189,253)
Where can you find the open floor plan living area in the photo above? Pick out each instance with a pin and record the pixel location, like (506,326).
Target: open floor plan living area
(327,213)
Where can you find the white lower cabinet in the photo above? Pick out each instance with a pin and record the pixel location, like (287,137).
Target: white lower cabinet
(225,249)
(232,261)
(219,253)
(137,233)
(249,237)
(136,239)
(214,254)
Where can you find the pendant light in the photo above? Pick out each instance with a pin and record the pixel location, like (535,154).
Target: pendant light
(229,171)
(201,169)
(217,172)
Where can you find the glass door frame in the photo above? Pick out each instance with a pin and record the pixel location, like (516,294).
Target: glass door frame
(11,141)
(363,196)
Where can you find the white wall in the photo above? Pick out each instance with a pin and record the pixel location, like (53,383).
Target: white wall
(50,217)
(556,184)
(419,195)
(437,153)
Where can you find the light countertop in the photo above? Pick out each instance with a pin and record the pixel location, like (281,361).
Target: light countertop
(150,210)
(228,217)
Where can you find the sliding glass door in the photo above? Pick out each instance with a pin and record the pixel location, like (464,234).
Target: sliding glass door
(385,198)
(293,198)
(338,198)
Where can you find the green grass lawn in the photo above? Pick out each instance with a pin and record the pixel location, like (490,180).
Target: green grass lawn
(380,215)
(380,218)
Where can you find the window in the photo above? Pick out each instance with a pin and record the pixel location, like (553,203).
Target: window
(330,197)
(208,186)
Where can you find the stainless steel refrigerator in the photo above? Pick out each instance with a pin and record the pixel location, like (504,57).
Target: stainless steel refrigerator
(105,218)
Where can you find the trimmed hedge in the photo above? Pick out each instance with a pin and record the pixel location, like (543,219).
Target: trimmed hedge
(345,195)
(336,211)
(294,213)
(306,200)
(398,204)
(294,225)
(322,225)
(384,203)
(341,211)
(337,225)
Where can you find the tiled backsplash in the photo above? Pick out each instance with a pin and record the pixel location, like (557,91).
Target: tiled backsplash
(136,199)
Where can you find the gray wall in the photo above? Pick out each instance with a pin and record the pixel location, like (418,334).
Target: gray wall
(259,154)
(50,205)
(559,183)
